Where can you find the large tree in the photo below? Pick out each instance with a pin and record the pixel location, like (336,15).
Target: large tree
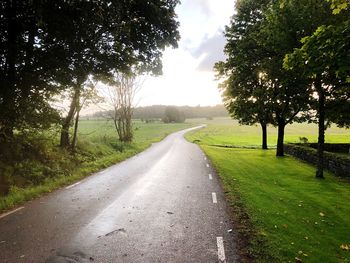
(243,86)
(285,23)
(105,37)
(324,58)
(260,35)
(29,65)
(47,46)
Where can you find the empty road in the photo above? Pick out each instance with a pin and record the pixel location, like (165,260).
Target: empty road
(162,205)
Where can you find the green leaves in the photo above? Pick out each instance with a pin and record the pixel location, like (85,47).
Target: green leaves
(338,5)
(47,46)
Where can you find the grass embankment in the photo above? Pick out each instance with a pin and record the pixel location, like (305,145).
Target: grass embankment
(47,167)
(286,214)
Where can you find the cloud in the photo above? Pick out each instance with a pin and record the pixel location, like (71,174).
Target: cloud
(201,5)
(210,51)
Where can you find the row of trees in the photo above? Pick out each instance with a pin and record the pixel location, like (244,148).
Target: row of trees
(157,112)
(288,60)
(49,48)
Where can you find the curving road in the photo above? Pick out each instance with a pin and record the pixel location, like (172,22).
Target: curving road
(163,205)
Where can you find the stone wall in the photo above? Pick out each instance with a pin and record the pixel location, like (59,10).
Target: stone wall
(334,147)
(337,164)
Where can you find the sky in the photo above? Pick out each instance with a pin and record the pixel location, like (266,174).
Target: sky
(188,77)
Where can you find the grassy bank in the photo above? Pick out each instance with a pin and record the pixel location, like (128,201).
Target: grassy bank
(278,206)
(46,167)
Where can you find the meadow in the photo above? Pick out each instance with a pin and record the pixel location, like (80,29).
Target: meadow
(224,131)
(281,212)
(46,167)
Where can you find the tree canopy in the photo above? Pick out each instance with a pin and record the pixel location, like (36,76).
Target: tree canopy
(324,61)
(285,60)
(47,47)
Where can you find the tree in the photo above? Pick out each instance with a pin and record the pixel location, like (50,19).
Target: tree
(88,96)
(324,58)
(104,37)
(120,94)
(172,114)
(29,64)
(260,35)
(285,23)
(243,88)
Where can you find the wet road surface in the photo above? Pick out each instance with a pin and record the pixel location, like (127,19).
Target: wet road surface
(162,205)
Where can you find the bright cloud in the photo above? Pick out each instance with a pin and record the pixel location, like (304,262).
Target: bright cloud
(188,78)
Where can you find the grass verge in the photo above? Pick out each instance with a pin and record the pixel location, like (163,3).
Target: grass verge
(282,213)
(98,148)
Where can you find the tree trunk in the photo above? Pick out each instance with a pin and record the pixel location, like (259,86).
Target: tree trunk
(65,141)
(75,133)
(321,129)
(280,139)
(264,135)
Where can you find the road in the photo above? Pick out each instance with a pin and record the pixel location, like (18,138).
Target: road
(162,205)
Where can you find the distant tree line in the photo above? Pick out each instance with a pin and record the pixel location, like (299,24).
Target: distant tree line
(158,112)
(288,61)
(173,115)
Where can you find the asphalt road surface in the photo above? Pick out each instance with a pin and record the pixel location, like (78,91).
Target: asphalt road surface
(162,205)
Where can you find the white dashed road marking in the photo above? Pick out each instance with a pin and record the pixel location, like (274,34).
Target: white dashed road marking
(208,165)
(73,185)
(221,249)
(213,195)
(11,212)
(210,177)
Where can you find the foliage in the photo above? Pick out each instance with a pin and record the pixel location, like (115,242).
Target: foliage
(29,64)
(105,38)
(172,114)
(44,167)
(157,112)
(244,91)
(257,85)
(47,48)
(291,92)
(338,5)
(326,54)
(324,60)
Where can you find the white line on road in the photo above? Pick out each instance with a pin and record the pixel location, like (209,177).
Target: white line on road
(221,249)
(73,185)
(210,177)
(11,212)
(213,195)
(208,165)
(205,158)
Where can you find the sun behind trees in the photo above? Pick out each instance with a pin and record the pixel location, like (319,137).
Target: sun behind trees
(263,84)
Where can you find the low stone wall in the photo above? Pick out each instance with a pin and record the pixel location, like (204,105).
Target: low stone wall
(334,147)
(337,164)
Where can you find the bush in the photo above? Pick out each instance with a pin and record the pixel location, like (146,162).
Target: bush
(172,114)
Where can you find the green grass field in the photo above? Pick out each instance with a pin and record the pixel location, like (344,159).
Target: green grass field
(292,215)
(98,147)
(224,131)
